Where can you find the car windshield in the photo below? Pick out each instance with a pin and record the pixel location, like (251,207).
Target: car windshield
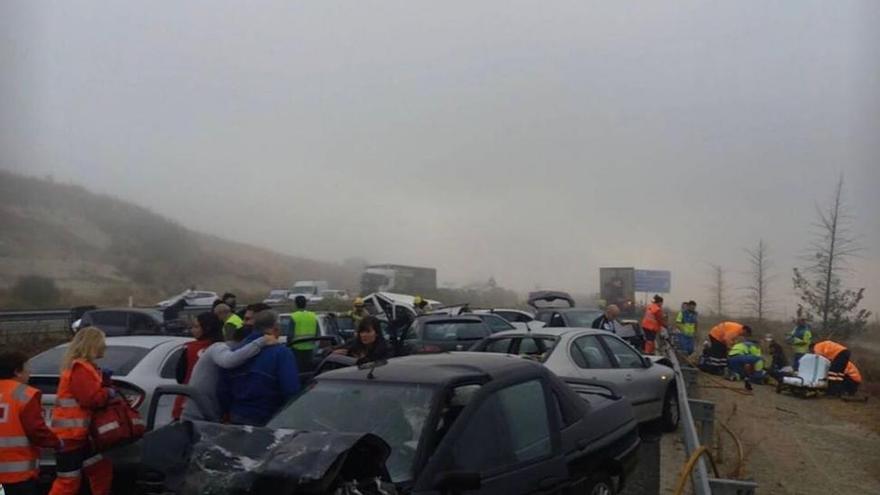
(582,318)
(277,293)
(304,289)
(496,323)
(120,359)
(394,412)
(455,330)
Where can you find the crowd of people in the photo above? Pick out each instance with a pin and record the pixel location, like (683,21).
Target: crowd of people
(238,364)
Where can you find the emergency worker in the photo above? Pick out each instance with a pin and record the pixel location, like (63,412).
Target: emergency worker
(839,356)
(303,325)
(82,389)
(231,321)
(358,312)
(721,338)
(800,339)
(22,428)
(421,305)
(686,323)
(652,323)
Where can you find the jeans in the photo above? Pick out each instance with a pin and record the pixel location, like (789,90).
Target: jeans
(685,343)
(796,360)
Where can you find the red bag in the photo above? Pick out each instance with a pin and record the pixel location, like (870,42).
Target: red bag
(116,424)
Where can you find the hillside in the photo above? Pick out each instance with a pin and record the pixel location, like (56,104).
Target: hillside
(102,249)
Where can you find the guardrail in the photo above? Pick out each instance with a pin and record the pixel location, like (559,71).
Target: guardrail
(697,441)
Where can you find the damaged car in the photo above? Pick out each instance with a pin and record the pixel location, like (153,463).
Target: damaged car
(445,423)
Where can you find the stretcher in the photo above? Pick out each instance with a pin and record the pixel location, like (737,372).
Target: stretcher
(811,377)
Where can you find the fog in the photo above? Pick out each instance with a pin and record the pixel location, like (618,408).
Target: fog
(529,141)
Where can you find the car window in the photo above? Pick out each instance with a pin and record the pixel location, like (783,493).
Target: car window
(499,345)
(119,359)
(536,347)
(513,316)
(514,420)
(496,323)
(544,316)
(455,331)
(588,352)
(169,368)
(556,321)
(109,318)
(625,355)
(140,324)
(583,318)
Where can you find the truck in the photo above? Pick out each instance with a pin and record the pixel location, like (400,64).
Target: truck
(398,278)
(311,289)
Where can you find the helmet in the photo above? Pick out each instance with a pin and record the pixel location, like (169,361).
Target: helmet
(358,301)
(418,301)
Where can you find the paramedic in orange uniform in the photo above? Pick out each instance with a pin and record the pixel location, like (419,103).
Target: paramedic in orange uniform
(81,390)
(721,338)
(652,322)
(839,356)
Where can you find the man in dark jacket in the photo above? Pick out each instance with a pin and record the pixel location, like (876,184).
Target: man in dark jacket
(608,320)
(252,393)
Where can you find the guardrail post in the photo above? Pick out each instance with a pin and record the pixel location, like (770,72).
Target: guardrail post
(690,378)
(704,415)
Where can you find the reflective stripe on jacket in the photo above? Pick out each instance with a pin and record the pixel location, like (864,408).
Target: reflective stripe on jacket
(69,420)
(19,460)
(687,322)
(800,339)
(852,372)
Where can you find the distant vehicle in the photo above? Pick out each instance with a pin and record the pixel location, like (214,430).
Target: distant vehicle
(439,333)
(391,306)
(450,423)
(551,312)
(139,365)
(311,289)
(192,298)
(399,278)
(341,295)
(278,296)
(116,322)
(580,353)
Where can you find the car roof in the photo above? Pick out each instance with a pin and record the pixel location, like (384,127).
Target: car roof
(430,318)
(436,369)
(145,341)
(550,332)
(569,310)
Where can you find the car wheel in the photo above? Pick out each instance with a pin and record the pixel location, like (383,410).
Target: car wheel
(671,413)
(600,484)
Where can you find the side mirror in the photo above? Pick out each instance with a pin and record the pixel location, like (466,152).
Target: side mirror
(647,361)
(458,481)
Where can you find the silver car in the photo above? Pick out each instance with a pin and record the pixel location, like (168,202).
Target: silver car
(139,365)
(599,355)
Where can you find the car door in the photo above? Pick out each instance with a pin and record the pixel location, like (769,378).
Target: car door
(512,442)
(593,362)
(644,388)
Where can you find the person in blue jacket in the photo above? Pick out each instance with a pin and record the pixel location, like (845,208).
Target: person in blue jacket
(252,393)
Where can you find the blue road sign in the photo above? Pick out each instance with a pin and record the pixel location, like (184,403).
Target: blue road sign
(653,281)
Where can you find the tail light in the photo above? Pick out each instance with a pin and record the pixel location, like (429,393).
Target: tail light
(132,394)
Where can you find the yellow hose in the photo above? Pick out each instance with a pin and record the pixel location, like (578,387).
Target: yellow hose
(688,468)
(737,473)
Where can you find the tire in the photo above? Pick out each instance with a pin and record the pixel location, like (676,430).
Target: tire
(600,484)
(671,414)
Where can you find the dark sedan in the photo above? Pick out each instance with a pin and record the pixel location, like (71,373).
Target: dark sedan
(439,333)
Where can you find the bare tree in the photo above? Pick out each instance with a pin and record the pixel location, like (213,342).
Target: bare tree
(719,289)
(819,284)
(759,277)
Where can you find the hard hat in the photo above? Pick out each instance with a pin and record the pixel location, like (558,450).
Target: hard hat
(358,301)
(418,300)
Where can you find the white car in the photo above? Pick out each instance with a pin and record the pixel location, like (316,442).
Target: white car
(192,298)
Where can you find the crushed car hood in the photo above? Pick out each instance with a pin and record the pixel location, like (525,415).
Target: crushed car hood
(210,458)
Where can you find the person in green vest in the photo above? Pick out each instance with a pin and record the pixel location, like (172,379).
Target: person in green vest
(800,339)
(686,323)
(303,325)
(746,360)
(231,321)
(358,312)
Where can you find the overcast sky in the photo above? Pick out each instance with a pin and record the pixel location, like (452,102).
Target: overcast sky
(529,141)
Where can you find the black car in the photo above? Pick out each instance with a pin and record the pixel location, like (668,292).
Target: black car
(568,317)
(117,322)
(439,333)
(454,423)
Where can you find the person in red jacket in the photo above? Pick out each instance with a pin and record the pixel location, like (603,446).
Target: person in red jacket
(22,428)
(652,323)
(207,329)
(82,389)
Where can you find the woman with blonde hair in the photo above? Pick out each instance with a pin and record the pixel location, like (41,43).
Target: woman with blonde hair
(82,389)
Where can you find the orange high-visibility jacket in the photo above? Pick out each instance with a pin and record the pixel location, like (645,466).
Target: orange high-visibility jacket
(852,372)
(69,420)
(828,349)
(18,458)
(727,332)
(653,317)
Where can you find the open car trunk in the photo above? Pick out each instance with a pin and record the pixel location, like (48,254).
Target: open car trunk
(193,457)
(550,299)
